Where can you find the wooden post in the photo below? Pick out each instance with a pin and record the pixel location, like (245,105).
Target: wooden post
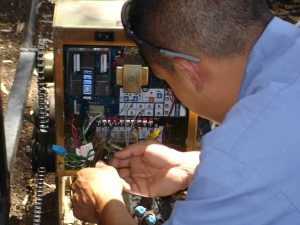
(192,131)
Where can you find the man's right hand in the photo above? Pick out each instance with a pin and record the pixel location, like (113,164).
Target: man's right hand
(152,170)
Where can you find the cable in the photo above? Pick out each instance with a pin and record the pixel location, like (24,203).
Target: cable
(111,148)
(137,135)
(108,134)
(134,119)
(173,104)
(92,121)
(83,134)
(125,124)
(76,162)
(74,132)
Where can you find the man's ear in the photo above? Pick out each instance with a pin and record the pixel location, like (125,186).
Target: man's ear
(191,70)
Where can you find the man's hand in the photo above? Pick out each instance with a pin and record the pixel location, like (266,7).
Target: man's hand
(93,189)
(151,170)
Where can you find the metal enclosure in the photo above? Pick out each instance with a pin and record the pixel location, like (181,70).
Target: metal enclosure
(83,25)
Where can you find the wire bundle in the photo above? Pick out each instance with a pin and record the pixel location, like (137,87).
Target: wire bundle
(76,162)
(72,160)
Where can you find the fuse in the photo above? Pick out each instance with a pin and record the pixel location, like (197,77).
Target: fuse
(76,62)
(103,65)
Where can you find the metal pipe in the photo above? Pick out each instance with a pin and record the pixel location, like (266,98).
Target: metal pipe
(17,98)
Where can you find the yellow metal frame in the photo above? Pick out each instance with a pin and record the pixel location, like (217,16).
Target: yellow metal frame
(75,23)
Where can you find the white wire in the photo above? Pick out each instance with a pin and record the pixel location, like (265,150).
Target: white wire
(134,119)
(125,124)
(90,124)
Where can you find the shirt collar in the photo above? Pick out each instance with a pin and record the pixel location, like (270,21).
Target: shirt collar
(277,36)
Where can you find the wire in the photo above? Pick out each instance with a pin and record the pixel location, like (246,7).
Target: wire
(83,134)
(111,148)
(92,121)
(173,104)
(141,112)
(108,134)
(154,134)
(122,110)
(74,132)
(118,60)
(76,162)
(125,124)
(137,135)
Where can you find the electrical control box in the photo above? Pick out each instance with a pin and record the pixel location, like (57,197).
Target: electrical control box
(105,94)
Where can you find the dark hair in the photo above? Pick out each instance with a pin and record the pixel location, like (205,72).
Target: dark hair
(216,28)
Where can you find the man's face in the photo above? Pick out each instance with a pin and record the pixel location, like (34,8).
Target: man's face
(180,84)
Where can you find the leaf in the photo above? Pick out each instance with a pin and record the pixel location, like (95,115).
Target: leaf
(20,27)
(3,89)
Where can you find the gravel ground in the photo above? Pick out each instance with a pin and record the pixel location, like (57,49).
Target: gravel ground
(23,181)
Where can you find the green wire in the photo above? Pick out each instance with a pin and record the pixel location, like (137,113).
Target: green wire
(76,162)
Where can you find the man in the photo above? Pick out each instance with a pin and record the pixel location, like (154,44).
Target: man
(232,62)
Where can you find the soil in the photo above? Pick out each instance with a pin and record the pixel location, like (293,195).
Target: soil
(13,17)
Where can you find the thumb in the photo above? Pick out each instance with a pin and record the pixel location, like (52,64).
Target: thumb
(100,164)
(126,186)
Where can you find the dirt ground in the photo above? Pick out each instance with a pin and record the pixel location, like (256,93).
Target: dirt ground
(13,14)
(13,18)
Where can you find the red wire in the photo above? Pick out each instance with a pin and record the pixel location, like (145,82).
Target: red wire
(173,104)
(74,132)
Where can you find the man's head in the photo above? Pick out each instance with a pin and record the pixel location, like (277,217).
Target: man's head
(212,30)
(216,28)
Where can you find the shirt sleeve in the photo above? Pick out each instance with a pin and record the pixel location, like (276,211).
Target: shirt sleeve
(227,192)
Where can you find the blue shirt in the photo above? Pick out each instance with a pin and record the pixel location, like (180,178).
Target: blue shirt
(250,166)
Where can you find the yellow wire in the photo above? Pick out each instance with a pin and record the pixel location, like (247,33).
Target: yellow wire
(153,135)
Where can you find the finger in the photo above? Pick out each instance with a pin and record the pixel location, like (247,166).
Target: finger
(128,180)
(125,163)
(135,189)
(159,156)
(130,187)
(124,173)
(126,186)
(129,152)
(76,177)
(81,214)
(80,206)
(114,162)
(73,187)
(133,150)
(76,200)
(100,164)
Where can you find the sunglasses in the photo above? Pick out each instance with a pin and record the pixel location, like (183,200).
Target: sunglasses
(131,35)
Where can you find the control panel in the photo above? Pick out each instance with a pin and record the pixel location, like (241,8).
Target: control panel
(112,97)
